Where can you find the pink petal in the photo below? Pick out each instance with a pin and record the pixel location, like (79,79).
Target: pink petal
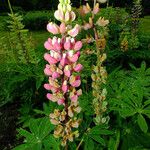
(67,45)
(48,46)
(78,45)
(78,68)
(62,28)
(55,75)
(60,101)
(47,86)
(76,83)
(67,73)
(74,58)
(74,98)
(53,28)
(49,96)
(50,59)
(47,71)
(64,88)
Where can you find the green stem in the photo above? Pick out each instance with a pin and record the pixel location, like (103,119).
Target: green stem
(10,7)
(79,144)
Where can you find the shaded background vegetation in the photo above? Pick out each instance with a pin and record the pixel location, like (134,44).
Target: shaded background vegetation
(28,5)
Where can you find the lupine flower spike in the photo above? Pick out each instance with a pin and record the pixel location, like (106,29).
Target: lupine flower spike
(62,68)
(99,74)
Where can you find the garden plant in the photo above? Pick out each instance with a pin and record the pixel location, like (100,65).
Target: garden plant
(74,77)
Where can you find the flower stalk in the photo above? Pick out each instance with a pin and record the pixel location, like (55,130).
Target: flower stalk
(62,70)
(99,75)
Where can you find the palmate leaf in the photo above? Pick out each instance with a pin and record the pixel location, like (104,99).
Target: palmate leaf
(39,132)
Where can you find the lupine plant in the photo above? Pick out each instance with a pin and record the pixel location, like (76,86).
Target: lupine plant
(99,74)
(62,70)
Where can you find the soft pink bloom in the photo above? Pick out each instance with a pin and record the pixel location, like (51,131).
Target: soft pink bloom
(53,28)
(62,28)
(55,75)
(86,8)
(96,8)
(87,26)
(78,45)
(61,101)
(74,32)
(59,15)
(75,57)
(57,46)
(67,44)
(57,56)
(51,97)
(47,70)
(75,81)
(78,68)
(67,71)
(65,86)
(74,98)
(50,59)
(47,86)
(48,44)
(63,60)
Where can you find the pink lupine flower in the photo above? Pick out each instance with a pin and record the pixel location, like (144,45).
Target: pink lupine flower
(53,28)
(59,15)
(57,44)
(74,98)
(63,61)
(78,45)
(67,44)
(78,68)
(65,86)
(86,8)
(62,28)
(55,75)
(87,26)
(75,81)
(75,94)
(74,32)
(61,101)
(74,58)
(48,44)
(47,70)
(96,8)
(50,59)
(52,97)
(67,71)
(47,86)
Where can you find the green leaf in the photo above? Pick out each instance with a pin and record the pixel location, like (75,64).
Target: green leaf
(89,144)
(51,143)
(142,123)
(45,127)
(98,139)
(146,103)
(22,147)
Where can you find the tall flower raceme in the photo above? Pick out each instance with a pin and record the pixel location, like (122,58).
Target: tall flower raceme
(62,70)
(99,75)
